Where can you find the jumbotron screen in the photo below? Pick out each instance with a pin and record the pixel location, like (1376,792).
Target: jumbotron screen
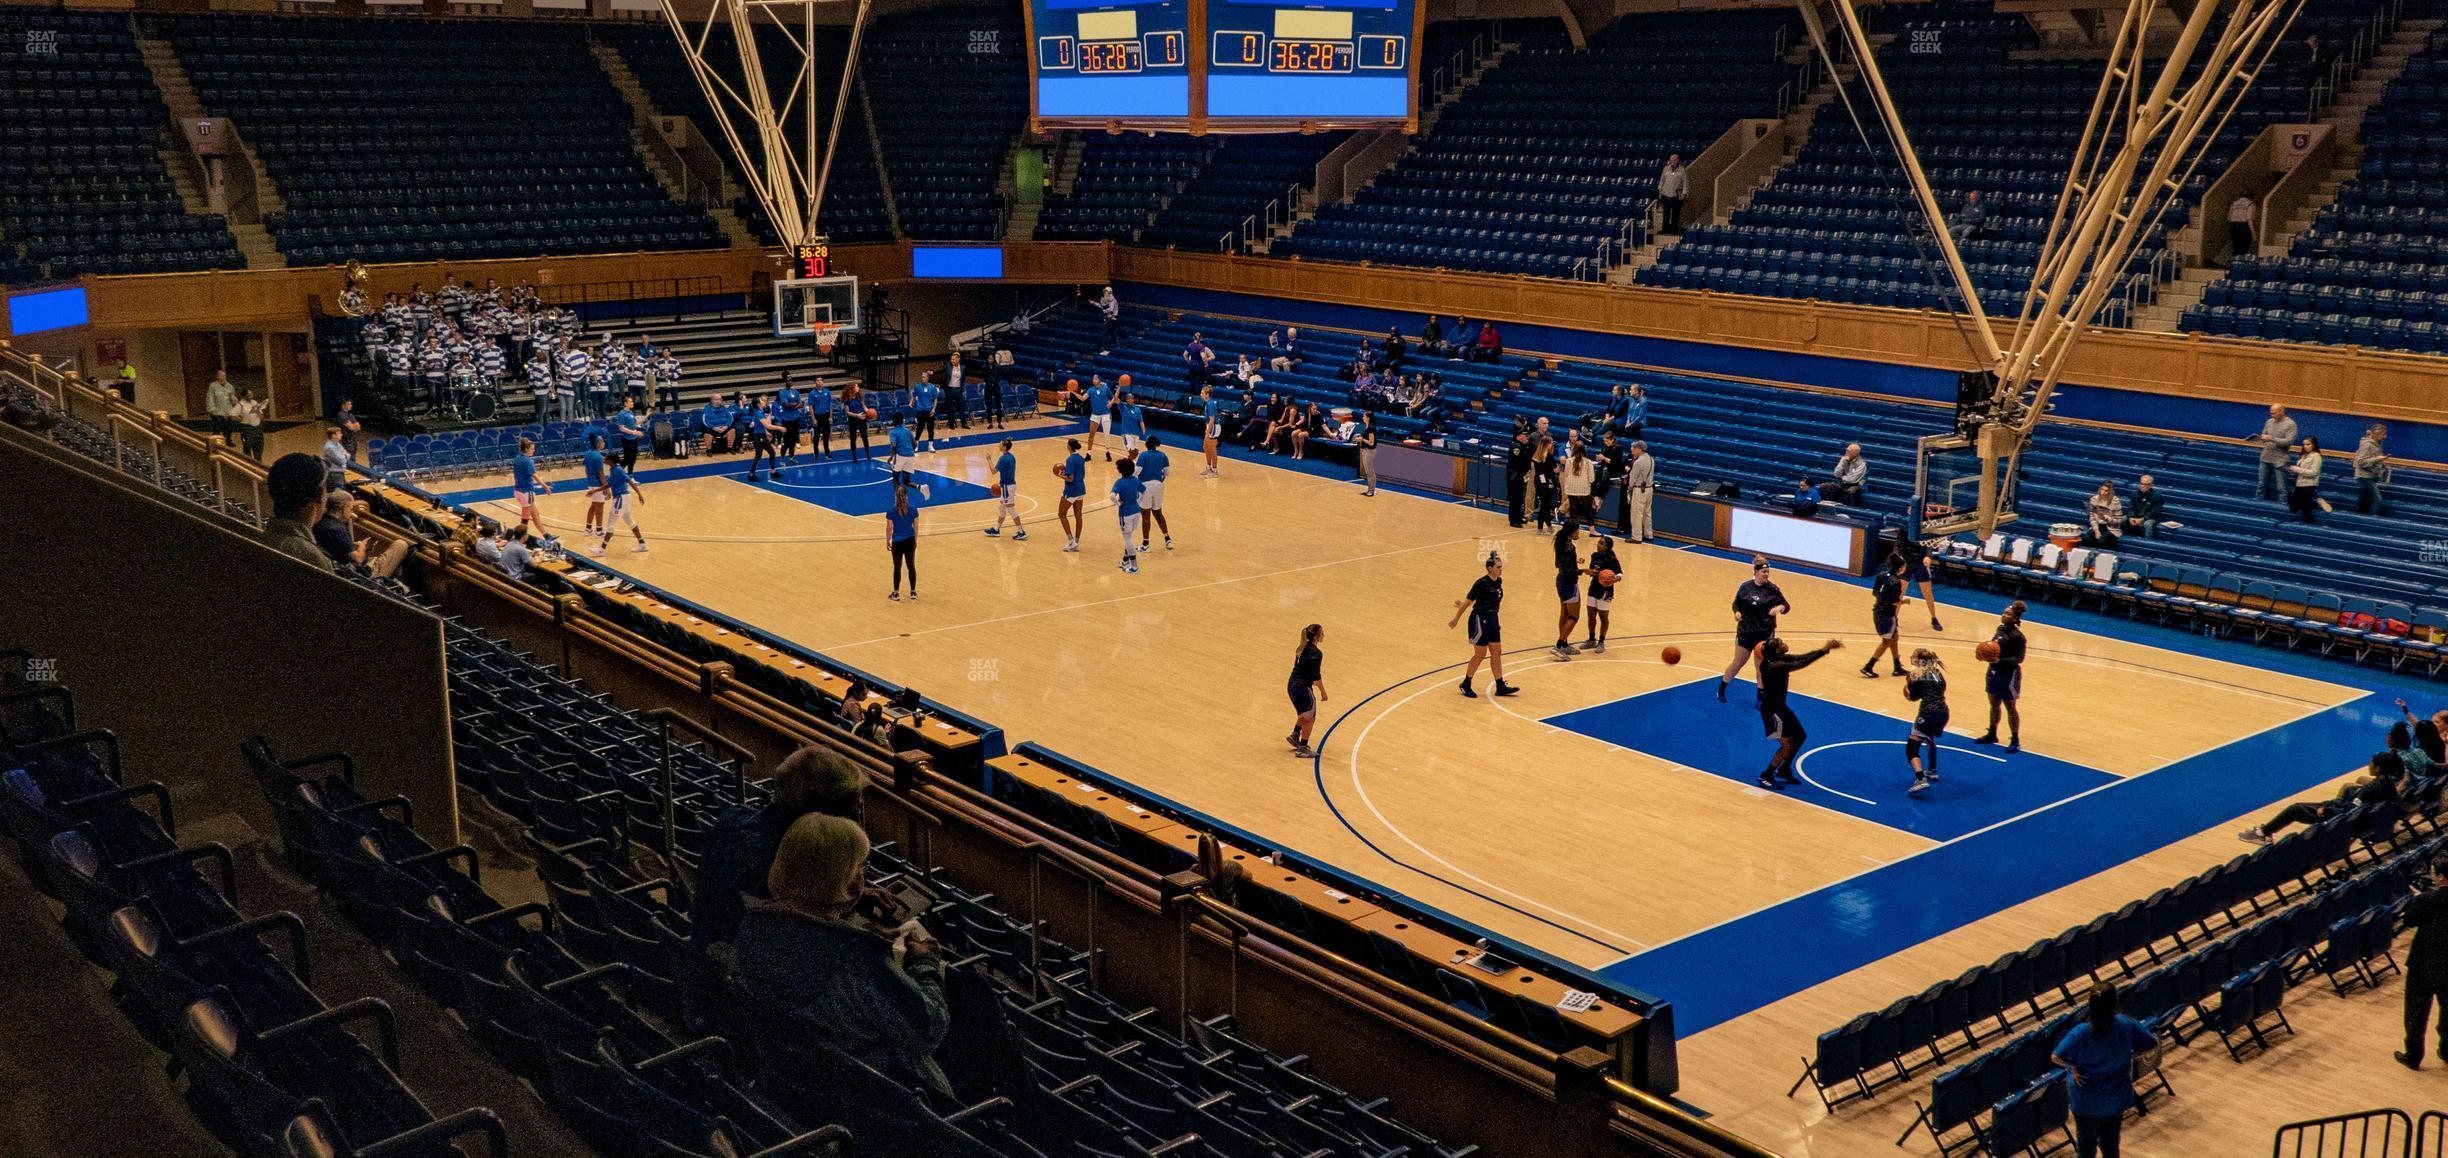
(1345,61)
(1107,61)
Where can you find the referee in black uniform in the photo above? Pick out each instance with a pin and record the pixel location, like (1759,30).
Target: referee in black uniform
(1776,668)
(2006,678)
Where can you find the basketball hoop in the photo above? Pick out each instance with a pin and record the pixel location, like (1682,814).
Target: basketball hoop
(826,336)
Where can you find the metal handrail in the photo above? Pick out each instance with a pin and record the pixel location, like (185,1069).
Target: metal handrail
(741,757)
(1686,1130)
(112,422)
(222,461)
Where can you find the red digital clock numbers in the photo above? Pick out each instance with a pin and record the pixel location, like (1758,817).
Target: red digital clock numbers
(1309,56)
(1110,56)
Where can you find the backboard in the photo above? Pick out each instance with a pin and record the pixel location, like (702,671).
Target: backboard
(1949,484)
(802,304)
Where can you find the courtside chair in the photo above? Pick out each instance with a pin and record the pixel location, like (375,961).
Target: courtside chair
(2312,617)
(1837,1063)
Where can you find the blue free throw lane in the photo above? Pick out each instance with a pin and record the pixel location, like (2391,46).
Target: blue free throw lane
(865,488)
(1852,762)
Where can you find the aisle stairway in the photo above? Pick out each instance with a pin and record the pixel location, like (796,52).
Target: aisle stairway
(658,159)
(728,353)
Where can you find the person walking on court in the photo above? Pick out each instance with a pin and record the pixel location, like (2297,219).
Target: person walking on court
(1599,602)
(1007,496)
(1568,587)
(2005,682)
(1307,688)
(1155,466)
(1916,570)
(1777,663)
(790,409)
(1068,508)
(1364,447)
(904,457)
(1211,427)
(901,540)
(1127,491)
(2276,436)
(2098,1058)
(1757,604)
(762,430)
(820,420)
(1578,476)
(1886,591)
(598,483)
(1546,480)
(1926,688)
(631,426)
(2426,966)
(1482,604)
(625,492)
(854,422)
(922,400)
(1640,489)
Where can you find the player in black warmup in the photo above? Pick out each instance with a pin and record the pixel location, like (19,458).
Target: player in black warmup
(1886,592)
(1776,667)
(1757,603)
(1599,602)
(1307,687)
(1568,587)
(2006,678)
(1486,636)
(1927,687)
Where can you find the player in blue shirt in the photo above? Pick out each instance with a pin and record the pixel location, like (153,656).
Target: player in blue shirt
(790,409)
(922,399)
(761,431)
(820,411)
(1154,465)
(1007,494)
(901,538)
(598,488)
(1100,411)
(1211,415)
(1133,423)
(523,484)
(1074,473)
(904,451)
(719,436)
(1126,494)
(625,494)
(632,428)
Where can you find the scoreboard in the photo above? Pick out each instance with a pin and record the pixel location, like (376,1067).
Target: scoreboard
(1338,62)
(1224,65)
(1106,61)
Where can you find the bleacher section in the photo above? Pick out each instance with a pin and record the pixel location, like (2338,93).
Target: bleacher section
(1785,434)
(1838,224)
(1245,175)
(1548,165)
(853,208)
(395,140)
(82,188)
(2373,270)
(949,91)
(1122,181)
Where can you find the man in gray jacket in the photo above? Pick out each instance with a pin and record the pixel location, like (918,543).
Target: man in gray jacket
(2276,437)
(1674,181)
(2371,471)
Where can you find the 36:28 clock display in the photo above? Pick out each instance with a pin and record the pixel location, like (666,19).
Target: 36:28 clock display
(1309,56)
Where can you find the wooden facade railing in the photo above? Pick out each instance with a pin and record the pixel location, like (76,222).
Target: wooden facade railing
(2347,380)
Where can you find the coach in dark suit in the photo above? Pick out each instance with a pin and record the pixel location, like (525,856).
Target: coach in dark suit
(1517,474)
(2426,967)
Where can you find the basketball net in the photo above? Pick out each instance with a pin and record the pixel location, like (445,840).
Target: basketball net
(826,336)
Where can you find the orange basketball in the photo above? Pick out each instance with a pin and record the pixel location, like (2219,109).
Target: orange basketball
(1987,652)
(1606,578)
(1059,473)
(1672,656)
(871,414)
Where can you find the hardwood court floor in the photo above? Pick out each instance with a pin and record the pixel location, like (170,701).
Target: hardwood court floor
(1173,678)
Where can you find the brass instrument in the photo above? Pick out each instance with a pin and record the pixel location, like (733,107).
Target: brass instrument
(353,300)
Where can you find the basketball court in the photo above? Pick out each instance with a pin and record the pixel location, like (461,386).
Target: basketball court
(1606,816)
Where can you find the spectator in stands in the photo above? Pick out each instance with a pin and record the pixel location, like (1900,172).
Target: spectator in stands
(516,554)
(1432,339)
(1806,498)
(220,402)
(853,707)
(1111,308)
(2142,515)
(2372,471)
(2276,436)
(1674,182)
(2240,241)
(2305,499)
(350,428)
(1257,420)
(2098,1058)
(872,989)
(488,543)
(739,848)
(2410,755)
(2381,786)
(338,538)
(1396,349)
(1851,476)
(250,412)
(1283,348)
(294,487)
(1307,423)
(126,382)
(1490,344)
(1431,391)
(2426,966)
(335,458)
(1972,221)
(2107,516)
(2428,740)
(1635,424)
